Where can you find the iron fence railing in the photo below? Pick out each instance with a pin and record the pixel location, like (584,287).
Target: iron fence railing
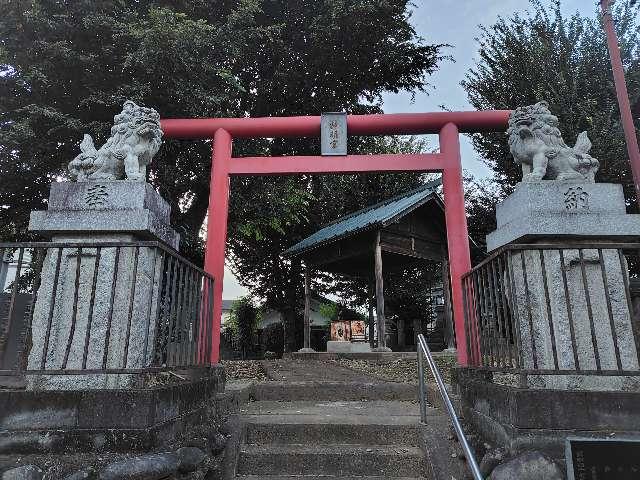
(551,310)
(424,355)
(103,307)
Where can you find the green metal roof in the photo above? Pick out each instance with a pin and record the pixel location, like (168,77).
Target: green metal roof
(378,215)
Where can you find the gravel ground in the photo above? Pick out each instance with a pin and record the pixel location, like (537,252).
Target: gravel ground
(402,370)
(244,370)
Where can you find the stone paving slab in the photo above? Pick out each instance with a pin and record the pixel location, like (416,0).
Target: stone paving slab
(331,433)
(293,370)
(387,460)
(332,391)
(376,356)
(319,420)
(328,419)
(325,477)
(377,411)
(332,450)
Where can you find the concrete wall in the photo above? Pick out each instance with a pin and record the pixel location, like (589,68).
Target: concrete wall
(522,418)
(52,422)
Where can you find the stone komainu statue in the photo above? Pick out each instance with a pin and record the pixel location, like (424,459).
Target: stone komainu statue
(135,138)
(537,145)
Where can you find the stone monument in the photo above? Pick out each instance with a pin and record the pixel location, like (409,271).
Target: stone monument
(555,292)
(108,201)
(558,202)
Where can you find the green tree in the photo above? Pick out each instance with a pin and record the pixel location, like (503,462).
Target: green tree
(243,323)
(329,311)
(258,237)
(481,197)
(67,67)
(543,55)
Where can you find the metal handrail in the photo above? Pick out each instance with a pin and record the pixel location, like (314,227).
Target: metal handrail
(425,353)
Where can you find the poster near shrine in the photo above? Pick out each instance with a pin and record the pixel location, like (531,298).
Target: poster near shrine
(341,331)
(358,331)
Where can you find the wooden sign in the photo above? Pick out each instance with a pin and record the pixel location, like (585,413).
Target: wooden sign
(602,459)
(333,133)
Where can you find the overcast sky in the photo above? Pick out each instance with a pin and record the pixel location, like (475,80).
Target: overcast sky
(456,22)
(453,22)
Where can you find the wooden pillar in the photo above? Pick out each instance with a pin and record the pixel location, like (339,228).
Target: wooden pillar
(307,312)
(417,330)
(449,335)
(401,334)
(380,321)
(372,341)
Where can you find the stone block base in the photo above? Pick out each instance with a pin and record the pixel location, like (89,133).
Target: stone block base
(347,347)
(521,418)
(70,421)
(117,293)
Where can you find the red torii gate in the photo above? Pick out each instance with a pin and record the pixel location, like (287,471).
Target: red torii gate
(447,124)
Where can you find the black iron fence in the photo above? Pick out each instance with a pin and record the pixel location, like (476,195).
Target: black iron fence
(550,309)
(79,308)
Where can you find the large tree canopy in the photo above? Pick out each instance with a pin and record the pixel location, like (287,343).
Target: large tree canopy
(67,67)
(543,55)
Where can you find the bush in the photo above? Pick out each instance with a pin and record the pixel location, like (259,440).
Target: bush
(273,339)
(243,324)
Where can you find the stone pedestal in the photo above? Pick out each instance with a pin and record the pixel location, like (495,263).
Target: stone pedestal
(583,348)
(571,305)
(96,312)
(96,210)
(347,347)
(306,350)
(559,211)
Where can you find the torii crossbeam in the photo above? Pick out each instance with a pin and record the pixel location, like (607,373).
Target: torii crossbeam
(447,124)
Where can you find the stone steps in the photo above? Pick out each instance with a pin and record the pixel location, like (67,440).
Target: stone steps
(293,430)
(338,460)
(291,391)
(325,477)
(334,440)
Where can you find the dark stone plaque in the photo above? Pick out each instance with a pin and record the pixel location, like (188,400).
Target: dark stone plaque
(603,459)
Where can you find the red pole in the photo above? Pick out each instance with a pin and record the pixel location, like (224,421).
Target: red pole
(457,234)
(623,95)
(217,229)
